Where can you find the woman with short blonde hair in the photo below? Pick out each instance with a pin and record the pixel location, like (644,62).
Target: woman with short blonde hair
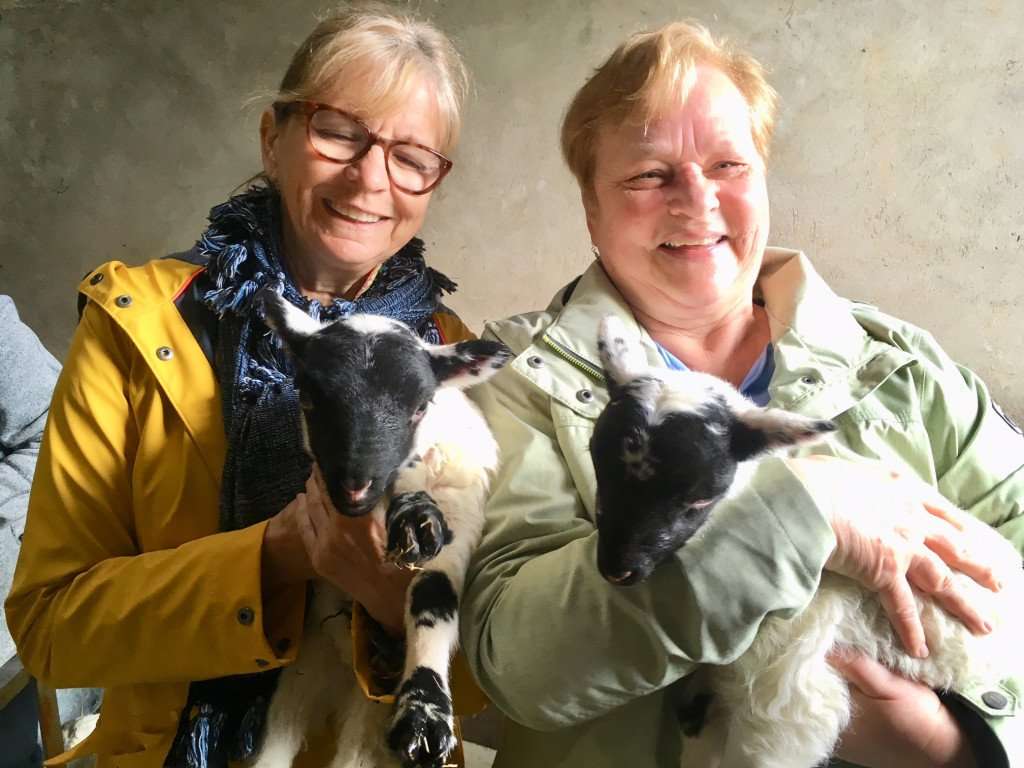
(669,141)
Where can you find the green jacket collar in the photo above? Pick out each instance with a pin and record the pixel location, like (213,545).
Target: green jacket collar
(825,362)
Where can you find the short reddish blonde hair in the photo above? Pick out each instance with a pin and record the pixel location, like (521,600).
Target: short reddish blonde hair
(649,73)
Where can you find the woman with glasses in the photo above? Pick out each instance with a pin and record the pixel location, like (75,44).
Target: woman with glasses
(169,539)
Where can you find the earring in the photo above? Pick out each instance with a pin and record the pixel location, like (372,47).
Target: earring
(593,250)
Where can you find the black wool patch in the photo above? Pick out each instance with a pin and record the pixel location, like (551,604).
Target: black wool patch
(425,686)
(433,594)
(746,442)
(693,714)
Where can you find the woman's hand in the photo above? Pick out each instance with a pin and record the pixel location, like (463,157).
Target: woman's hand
(897,721)
(892,533)
(309,539)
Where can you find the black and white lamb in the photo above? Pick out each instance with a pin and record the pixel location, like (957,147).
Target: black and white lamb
(394,437)
(666,449)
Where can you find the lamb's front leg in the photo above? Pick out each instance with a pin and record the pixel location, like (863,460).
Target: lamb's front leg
(423,731)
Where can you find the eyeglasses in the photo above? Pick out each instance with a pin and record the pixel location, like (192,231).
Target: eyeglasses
(342,138)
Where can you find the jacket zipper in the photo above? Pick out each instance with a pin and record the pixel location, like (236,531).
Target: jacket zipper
(573,359)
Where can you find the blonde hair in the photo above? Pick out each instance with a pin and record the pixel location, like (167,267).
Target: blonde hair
(386,51)
(649,73)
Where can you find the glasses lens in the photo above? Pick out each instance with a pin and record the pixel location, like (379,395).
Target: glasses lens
(414,168)
(335,136)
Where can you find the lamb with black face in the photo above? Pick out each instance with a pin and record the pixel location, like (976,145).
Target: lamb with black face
(657,482)
(666,450)
(393,436)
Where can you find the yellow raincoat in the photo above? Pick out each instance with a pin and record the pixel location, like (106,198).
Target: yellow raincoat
(124,581)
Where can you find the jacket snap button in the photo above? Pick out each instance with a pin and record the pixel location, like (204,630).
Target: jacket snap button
(535,361)
(584,395)
(246,616)
(122,301)
(165,353)
(994,699)
(98,278)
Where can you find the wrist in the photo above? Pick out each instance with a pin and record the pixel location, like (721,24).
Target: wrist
(949,746)
(392,621)
(284,558)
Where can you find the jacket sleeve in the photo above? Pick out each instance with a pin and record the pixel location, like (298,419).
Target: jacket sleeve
(452,328)
(552,643)
(978,454)
(27,376)
(87,607)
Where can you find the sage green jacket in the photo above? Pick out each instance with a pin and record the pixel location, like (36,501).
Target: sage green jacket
(585,670)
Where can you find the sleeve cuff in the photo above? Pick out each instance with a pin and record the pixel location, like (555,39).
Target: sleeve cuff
(764,549)
(267,628)
(987,715)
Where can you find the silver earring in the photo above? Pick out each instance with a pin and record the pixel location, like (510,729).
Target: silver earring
(593,250)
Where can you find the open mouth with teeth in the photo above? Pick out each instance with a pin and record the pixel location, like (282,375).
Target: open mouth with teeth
(684,246)
(354,215)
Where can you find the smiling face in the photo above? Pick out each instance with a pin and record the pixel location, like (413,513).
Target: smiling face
(679,209)
(347,219)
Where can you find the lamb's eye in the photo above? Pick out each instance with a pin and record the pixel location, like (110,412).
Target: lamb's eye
(418,414)
(634,442)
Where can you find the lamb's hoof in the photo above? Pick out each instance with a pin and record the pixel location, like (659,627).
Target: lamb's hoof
(416,529)
(422,733)
(693,715)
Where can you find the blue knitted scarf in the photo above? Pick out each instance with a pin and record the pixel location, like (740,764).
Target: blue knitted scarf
(265,465)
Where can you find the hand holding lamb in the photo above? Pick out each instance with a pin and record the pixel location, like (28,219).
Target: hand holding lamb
(894,532)
(348,552)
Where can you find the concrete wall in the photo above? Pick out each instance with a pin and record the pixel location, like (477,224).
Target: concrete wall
(897,165)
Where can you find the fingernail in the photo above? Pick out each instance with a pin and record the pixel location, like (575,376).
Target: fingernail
(922,651)
(986,627)
(999,585)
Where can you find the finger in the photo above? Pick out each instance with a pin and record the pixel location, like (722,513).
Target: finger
(956,556)
(306,526)
(317,504)
(942,508)
(866,674)
(315,483)
(930,575)
(901,608)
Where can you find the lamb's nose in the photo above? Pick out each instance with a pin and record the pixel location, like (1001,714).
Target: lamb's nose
(620,578)
(359,493)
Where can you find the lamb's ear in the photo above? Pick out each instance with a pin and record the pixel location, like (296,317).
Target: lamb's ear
(467,363)
(289,322)
(622,357)
(760,430)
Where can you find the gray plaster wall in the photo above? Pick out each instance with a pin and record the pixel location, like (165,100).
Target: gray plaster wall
(897,164)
